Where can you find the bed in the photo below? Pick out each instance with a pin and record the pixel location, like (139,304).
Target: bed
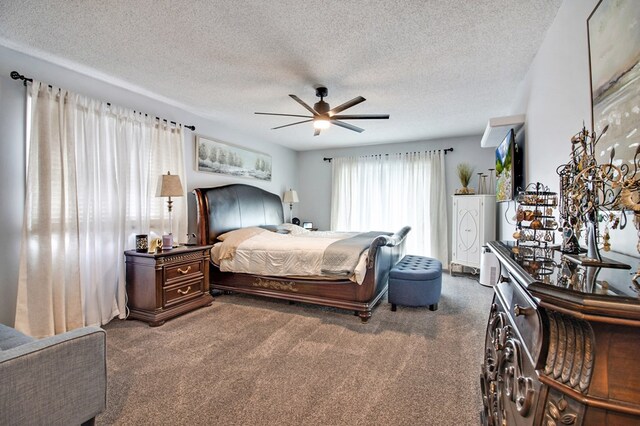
(232,207)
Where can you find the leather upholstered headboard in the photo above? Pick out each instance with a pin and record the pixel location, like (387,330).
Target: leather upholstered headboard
(225,208)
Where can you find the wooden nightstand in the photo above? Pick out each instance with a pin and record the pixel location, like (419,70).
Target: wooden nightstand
(164,285)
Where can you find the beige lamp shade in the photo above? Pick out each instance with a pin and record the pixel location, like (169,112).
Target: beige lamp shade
(170,186)
(290,196)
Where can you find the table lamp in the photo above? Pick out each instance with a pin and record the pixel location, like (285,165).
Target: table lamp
(170,186)
(290,197)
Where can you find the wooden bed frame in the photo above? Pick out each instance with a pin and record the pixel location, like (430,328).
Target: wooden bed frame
(225,208)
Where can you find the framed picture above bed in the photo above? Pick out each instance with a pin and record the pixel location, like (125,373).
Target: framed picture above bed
(614,57)
(218,157)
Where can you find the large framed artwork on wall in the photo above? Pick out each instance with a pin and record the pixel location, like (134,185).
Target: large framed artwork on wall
(614,58)
(218,157)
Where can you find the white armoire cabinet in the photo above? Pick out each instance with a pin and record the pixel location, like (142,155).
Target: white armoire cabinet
(474,224)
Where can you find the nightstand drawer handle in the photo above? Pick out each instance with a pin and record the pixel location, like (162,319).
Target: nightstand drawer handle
(183,292)
(184,271)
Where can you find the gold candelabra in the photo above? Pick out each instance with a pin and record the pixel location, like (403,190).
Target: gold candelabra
(630,199)
(589,192)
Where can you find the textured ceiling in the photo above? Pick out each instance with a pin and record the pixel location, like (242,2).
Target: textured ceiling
(439,67)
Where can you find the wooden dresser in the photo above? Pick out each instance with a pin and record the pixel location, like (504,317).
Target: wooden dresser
(563,342)
(164,285)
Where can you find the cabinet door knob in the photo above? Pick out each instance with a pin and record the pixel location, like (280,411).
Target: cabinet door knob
(183,292)
(184,271)
(520,310)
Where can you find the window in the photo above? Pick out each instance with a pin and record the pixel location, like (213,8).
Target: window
(387,192)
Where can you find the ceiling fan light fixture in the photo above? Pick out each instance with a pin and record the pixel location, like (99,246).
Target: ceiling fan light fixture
(321,123)
(323,116)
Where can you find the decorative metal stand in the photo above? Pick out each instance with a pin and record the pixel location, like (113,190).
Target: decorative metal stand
(589,191)
(535,216)
(570,218)
(630,199)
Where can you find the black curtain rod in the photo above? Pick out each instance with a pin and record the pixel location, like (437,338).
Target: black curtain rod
(17,76)
(429,150)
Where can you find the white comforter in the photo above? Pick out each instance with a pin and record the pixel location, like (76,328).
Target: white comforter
(297,254)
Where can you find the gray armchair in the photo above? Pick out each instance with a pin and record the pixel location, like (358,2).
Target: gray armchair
(55,380)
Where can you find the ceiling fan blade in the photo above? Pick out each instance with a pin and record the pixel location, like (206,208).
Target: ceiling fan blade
(361,117)
(347,126)
(301,102)
(284,115)
(316,132)
(291,124)
(348,104)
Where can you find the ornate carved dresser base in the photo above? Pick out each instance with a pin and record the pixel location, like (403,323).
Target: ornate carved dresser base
(562,344)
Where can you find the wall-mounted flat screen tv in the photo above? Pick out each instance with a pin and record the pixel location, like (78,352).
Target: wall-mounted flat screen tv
(505,168)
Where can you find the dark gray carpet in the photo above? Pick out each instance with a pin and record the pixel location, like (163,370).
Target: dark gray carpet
(248,360)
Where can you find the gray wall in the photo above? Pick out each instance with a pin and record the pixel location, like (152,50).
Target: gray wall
(314,188)
(555,96)
(12,124)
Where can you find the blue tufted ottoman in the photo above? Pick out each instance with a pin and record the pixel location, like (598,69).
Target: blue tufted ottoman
(415,281)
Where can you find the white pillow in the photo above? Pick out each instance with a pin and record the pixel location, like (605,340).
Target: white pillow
(251,230)
(293,229)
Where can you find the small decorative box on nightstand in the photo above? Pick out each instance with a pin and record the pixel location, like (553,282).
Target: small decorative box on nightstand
(164,285)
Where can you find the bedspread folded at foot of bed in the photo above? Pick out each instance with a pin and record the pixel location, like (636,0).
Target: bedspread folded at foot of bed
(342,256)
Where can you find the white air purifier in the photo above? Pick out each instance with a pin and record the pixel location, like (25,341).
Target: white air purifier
(489,267)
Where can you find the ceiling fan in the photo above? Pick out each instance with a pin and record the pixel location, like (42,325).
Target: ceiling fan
(323,116)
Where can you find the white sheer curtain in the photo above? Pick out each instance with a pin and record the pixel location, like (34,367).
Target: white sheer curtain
(387,192)
(438,222)
(91,183)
